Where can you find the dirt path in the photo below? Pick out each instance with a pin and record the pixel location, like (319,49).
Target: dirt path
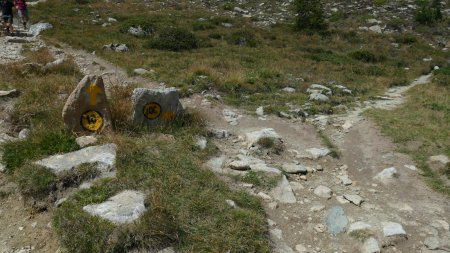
(403,199)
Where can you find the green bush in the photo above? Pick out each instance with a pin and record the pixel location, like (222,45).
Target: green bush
(366,56)
(35,182)
(243,38)
(175,39)
(428,13)
(310,15)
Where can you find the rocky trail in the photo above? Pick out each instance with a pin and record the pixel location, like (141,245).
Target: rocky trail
(370,200)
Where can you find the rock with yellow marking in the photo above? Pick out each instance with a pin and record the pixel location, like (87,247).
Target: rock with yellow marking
(86,109)
(153,107)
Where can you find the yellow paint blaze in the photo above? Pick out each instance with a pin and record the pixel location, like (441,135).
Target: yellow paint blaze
(93,90)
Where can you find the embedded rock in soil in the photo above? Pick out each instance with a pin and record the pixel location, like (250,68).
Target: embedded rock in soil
(359,226)
(255,138)
(293,168)
(104,155)
(124,207)
(283,192)
(393,229)
(85,141)
(323,192)
(9,93)
(336,220)
(370,246)
(355,199)
(316,153)
(387,175)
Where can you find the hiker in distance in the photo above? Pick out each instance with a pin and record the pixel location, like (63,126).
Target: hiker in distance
(22,11)
(7,15)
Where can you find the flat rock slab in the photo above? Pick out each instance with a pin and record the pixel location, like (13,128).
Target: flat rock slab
(124,207)
(323,192)
(283,192)
(104,155)
(86,109)
(254,137)
(370,246)
(316,153)
(355,199)
(336,220)
(293,168)
(153,107)
(393,229)
(359,226)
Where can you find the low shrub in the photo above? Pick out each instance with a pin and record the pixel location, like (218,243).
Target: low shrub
(175,39)
(428,13)
(310,15)
(367,56)
(35,182)
(243,38)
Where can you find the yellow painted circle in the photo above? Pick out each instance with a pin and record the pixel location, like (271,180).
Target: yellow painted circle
(152,110)
(92,121)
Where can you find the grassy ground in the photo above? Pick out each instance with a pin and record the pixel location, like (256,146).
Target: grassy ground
(186,204)
(246,64)
(421,127)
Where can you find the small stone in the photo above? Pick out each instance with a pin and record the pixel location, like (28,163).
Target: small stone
(318,97)
(273,205)
(323,192)
(431,243)
(276,233)
(9,94)
(271,223)
(153,107)
(289,89)
(440,224)
(376,29)
(393,229)
(254,138)
(112,20)
(283,192)
(387,175)
(345,180)
(85,141)
(370,246)
(316,153)
(86,109)
(355,199)
(201,142)
(141,71)
(260,111)
(293,168)
(219,133)
(317,208)
(231,203)
(319,228)
(264,196)
(301,249)
(37,28)
(231,117)
(24,133)
(336,220)
(124,207)
(443,159)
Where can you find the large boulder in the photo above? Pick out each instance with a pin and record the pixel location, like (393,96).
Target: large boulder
(153,107)
(86,109)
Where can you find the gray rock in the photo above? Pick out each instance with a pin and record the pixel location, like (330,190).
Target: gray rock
(318,97)
(201,142)
(283,192)
(262,167)
(84,141)
(227,25)
(141,71)
(219,133)
(240,165)
(323,192)
(9,93)
(443,159)
(431,243)
(317,208)
(124,207)
(440,224)
(24,133)
(112,20)
(345,180)
(284,115)
(53,64)
(355,199)
(137,31)
(231,117)
(316,153)
(387,175)
(359,226)
(86,109)
(289,89)
(301,249)
(104,155)
(293,168)
(393,229)
(296,186)
(370,246)
(116,47)
(36,29)
(318,88)
(376,29)
(153,107)
(336,220)
(231,203)
(254,137)
(260,111)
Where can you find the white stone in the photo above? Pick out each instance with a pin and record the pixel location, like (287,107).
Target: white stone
(260,111)
(355,199)
(264,196)
(124,207)
(301,249)
(239,165)
(253,137)
(323,192)
(318,97)
(370,246)
(376,29)
(283,192)
(393,229)
(386,175)
(289,89)
(316,153)
(231,117)
(141,71)
(24,133)
(345,180)
(85,141)
(358,226)
(37,28)
(440,158)
(231,203)
(293,168)
(201,142)
(104,155)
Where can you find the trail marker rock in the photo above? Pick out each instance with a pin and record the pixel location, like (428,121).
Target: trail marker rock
(152,107)
(86,109)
